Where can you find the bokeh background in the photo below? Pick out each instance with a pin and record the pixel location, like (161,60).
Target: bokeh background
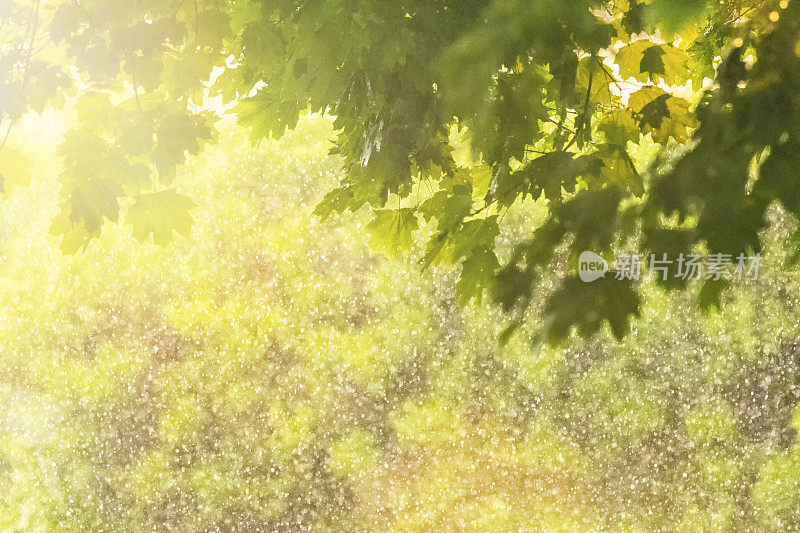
(274,373)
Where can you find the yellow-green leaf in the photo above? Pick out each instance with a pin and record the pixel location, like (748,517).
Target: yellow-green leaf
(391,229)
(662,114)
(477,273)
(592,72)
(646,61)
(160,213)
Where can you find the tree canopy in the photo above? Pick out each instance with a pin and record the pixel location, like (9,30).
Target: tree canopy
(447,112)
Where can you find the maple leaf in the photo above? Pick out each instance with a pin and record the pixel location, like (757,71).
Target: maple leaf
(473,234)
(176,135)
(645,61)
(549,174)
(266,113)
(618,169)
(662,114)
(448,207)
(477,273)
(160,214)
(391,229)
(74,236)
(591,71)
(337,200)
(587,306)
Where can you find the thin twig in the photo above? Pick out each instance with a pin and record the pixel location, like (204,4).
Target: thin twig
(5,137)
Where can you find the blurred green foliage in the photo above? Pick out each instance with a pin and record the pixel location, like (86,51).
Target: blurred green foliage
(274,374)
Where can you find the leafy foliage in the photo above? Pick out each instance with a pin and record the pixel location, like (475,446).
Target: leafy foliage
(547,97)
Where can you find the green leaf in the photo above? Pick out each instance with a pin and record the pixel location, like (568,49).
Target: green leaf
(652,62)
(513,286)
(477,274)
(777,176)
(266,113)
(508,333)
(92,198)
(516,109)
(94,109)
(633,19)
(212,26)
(619,170)
(74,236)
(160,214)
(702,54)
(184,73)
(711,293)
(391,230)
(176,135)
(619,127)
(629,59)
(674,15)
(663,115)
(592,72)
(434,248)
(645,60)
(587,306)
(591,215)
(449,208)
(473,234)
(452,245)
(96,174)
(338,200)
(549,174)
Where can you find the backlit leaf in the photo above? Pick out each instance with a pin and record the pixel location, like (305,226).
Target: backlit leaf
(477,273)
(160,214)
(391,230)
